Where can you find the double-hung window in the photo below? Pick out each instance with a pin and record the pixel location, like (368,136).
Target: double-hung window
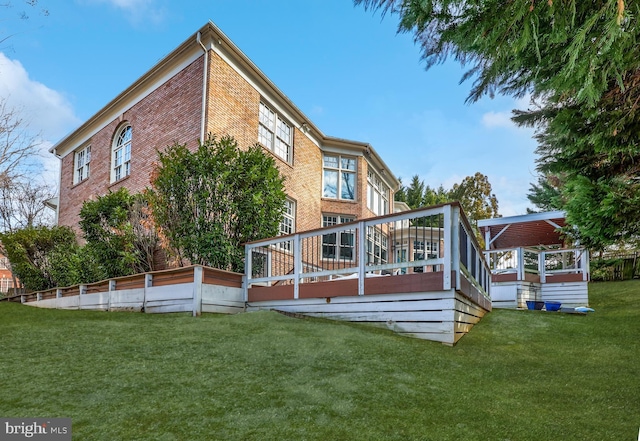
(377,195)
(339,177)
(288,223)
(121,158)
(338,246)
(81,162)
(377,246)
(425,250)
(275,133)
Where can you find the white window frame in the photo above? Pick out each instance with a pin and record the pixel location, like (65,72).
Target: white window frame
(6,283)
(288,223)
(377,194)
(377,246)
(340,240)
(431,251)
(341,170)
(81,164)
(121,153)
(275,133)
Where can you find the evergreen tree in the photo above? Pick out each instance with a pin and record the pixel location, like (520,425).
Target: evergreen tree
(580,61)
(415,193)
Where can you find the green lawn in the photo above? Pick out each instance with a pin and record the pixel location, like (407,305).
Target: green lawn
(519,375)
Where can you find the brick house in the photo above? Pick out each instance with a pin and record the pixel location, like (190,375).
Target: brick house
(208,85)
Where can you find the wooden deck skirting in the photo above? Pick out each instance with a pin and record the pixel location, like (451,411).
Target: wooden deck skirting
(417,282)
(560,278)
(512,277)
(415,305)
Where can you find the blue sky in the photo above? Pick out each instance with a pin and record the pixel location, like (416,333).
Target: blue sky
(346,68)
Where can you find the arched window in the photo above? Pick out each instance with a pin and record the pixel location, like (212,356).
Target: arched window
(121,158)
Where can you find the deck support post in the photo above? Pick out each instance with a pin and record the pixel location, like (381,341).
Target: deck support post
(112,288)
(297,265)
(197,290)
(455,245)
(362,274)
(448,247)
(520,263)
(247,273)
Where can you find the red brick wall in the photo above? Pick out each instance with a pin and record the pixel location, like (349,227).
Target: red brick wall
(233,108)
(171,113)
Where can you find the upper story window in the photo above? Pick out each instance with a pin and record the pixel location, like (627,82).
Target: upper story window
(288,223)
(81,161)
(339,177)
(377,194)
(121,158)
(4,263)
(275,133)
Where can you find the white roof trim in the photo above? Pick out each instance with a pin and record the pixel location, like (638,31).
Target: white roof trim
(545,216)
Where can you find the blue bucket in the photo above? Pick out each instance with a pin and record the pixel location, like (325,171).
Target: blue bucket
(534,304)
(552,306)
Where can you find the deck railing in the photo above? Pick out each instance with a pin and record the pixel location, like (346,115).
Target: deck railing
(522,261)
(435,239)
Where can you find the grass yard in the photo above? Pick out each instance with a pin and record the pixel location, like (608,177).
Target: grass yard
(519,375)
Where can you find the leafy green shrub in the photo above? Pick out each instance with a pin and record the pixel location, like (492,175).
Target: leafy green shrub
(43,257)
(211,201)
(119,239)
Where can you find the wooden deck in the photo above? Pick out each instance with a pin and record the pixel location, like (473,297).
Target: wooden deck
(353,272)
(438,298)
(193,289)
(520,274)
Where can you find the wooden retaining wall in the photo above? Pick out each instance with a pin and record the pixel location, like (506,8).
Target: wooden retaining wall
(194,289)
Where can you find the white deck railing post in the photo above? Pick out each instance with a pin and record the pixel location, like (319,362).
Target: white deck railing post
(247,272)
(362,237)
(520,263)
(455,245)
(448,255)
(297,265)
(541,265)
(112,288)
(197,289)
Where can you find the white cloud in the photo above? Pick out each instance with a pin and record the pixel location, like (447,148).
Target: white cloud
(502,118)
(45,110)
(497,119)
(46,113)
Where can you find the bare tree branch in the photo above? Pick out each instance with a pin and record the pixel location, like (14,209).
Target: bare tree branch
(22,204)
(18,146)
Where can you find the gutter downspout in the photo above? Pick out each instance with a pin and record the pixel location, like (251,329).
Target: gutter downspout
(204,87)
(55,153)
